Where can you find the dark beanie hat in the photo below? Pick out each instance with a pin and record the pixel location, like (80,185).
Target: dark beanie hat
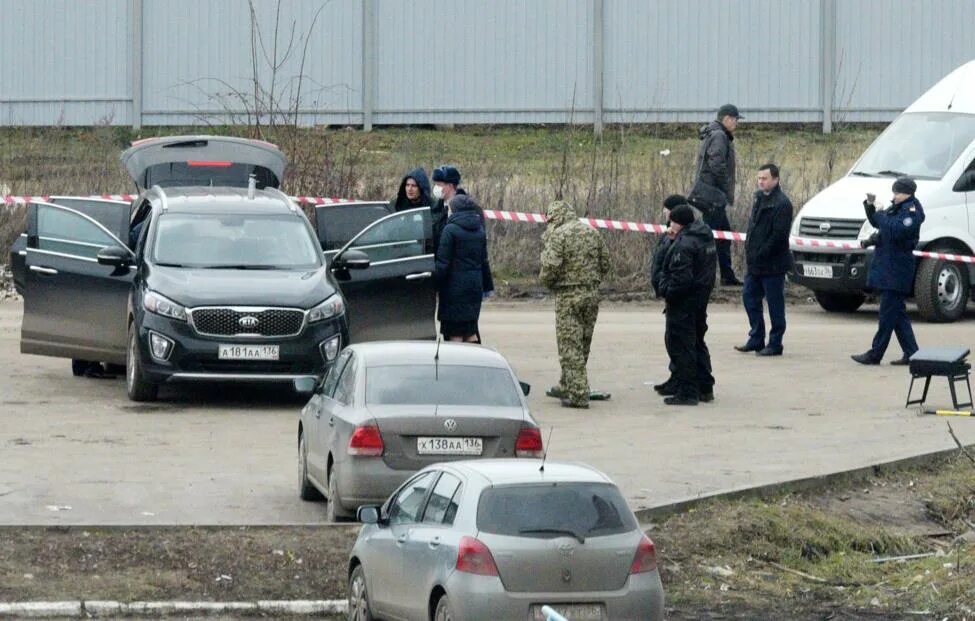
(447,174)
(905,185)
(674,200)
(682,214)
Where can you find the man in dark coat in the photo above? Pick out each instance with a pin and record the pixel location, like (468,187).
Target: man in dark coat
(892,268)
(463,273)
(657,269)
(414,191)
(768,259)
(716,167)
(688,278)
(446,185)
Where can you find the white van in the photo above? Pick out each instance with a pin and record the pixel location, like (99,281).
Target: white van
(933,142)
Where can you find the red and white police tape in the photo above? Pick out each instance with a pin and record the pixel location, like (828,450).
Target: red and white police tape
(537,218)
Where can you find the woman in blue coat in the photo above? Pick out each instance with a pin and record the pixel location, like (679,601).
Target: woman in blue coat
(462,271)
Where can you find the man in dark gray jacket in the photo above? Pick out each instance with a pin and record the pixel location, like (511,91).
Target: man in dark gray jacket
(768,258)
(716,167)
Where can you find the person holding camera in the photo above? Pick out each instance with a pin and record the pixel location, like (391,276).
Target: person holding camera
(892,268)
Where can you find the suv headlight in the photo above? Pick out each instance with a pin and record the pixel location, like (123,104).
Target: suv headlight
(866,230)
(155,303)
(332,307)
(795,227)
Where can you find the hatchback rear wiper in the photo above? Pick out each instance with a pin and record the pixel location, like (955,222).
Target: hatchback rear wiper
(557,531)
(891,173)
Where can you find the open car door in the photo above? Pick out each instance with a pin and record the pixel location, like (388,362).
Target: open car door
(394,297)
(203,161)
(337,223)
(73,306)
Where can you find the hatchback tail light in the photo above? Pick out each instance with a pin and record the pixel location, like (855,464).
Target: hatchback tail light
(529,443)
(645,558)
(473,557)
(366,441)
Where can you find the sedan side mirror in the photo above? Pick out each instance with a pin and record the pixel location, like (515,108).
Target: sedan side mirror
(115,256)
(368,514)
(351,259)
(965,183)
(525,388)
(304,385)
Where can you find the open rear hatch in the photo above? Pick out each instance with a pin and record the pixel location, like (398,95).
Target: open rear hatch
(203,161)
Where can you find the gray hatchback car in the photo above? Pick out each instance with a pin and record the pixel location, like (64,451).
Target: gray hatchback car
(387,409)
(500,539)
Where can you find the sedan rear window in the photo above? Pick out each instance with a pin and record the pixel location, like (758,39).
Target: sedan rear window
(235,241)
(549,510)
(443,385)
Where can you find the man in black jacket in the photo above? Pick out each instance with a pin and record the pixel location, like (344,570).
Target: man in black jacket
(414,191)
(446,182)
(716,168)
(686,283)
(768,258)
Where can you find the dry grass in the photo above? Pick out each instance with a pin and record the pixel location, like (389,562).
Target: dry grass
(621,176)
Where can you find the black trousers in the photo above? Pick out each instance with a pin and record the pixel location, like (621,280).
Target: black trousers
(690,360)
(717,219)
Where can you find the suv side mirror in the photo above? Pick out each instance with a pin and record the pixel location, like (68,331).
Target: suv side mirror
(965,183)
(115,256)
(304,385)
(525,388)
(368,514)
(351,259)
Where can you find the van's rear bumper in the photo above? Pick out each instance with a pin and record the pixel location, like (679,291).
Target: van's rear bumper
(847,270)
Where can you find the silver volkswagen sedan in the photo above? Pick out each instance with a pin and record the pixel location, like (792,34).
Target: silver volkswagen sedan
(501,539)
(387,409)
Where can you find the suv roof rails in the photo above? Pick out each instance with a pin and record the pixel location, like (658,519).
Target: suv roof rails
(292,205)
(162,196)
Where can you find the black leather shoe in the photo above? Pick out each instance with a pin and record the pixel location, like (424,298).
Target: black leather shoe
(901,362)
(666,388)
(678,400)
(706,397)
(570,404)
(864,358)
(769,351)
(747,348)
(554,391)
(731,281)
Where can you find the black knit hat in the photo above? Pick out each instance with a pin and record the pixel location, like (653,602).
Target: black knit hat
(447,174)
(674,200)
(904,185)
(682,214)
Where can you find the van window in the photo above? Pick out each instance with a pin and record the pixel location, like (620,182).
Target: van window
(922,145)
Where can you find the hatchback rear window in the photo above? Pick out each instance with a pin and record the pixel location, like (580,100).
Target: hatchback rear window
(428,384)
(549,510)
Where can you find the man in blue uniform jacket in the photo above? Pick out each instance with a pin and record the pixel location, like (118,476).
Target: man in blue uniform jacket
(892,270)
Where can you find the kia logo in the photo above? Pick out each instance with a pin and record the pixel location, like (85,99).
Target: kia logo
(825,227)
(248,322)
(450,424)
(566,550)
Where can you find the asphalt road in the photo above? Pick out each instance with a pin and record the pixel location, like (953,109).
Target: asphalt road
(76,451)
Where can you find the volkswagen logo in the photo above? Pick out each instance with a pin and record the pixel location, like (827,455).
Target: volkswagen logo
(566,550)
(248,321)
(825,227)
(450,424)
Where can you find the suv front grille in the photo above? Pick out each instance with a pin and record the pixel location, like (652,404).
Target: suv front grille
(243,321)
(830,228)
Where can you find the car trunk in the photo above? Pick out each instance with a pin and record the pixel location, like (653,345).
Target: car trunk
(203,160)
(562,564)
(403,425)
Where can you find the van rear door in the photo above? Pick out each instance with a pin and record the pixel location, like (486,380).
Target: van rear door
(203,161)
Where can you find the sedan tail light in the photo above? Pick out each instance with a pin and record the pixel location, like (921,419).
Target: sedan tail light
(645,558)
(529,443)
(366,441)
(473,557)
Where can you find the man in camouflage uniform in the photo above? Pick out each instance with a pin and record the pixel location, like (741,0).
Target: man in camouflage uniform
(574,260)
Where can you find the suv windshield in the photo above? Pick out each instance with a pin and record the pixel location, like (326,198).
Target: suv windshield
(922,145)
(235,241)
(548,510)
(427,384)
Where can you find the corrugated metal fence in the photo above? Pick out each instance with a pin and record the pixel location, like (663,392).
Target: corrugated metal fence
(366,62)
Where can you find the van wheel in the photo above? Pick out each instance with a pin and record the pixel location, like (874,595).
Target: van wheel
(306,491)
(138,387)
(941,289)
(443,610)
(840,302)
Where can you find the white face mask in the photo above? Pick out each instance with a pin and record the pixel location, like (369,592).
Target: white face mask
(438,192)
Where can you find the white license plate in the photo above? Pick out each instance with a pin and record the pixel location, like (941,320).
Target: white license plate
(449,446)
(248,352)
(572,612)
(817,271)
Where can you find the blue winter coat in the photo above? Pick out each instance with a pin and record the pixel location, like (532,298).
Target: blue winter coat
(462,271)
(899,228)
